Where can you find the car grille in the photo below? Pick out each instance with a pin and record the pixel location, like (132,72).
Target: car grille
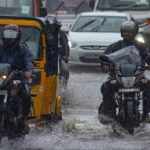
(93,47)
(89,60)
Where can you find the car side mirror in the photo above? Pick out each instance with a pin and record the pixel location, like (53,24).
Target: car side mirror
(43,12)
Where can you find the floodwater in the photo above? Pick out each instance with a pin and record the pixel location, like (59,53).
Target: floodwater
(80,128)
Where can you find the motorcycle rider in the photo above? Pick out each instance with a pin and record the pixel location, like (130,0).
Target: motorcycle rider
(129,30)
(58,49)
(20,58)
(63,56)
(52,45)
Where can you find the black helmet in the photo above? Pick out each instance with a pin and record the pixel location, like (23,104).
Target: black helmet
(11,35)
(129,26)
(52,19)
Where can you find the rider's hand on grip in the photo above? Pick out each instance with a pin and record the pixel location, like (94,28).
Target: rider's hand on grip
(105,68)
(104,58)
(28,74)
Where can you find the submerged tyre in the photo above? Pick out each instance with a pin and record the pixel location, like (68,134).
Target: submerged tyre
(2,120)
(103,118)
(101,108)
(0,140)
(130,118)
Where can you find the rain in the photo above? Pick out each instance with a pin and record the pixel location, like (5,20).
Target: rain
(80,128)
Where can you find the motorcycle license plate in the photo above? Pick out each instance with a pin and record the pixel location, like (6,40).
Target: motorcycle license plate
(3,92)
(128,90)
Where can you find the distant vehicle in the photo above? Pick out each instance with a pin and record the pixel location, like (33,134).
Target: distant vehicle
(23,8)
(138,8)
(91,33)
(66,11)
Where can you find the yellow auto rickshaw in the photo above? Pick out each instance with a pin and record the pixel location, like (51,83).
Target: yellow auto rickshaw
(46,102)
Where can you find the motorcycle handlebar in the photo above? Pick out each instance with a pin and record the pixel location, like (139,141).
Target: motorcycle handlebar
(21,73)
(104,58)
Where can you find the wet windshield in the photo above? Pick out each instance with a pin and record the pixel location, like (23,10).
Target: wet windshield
(123,4)
(67,6)
(98,24)
(16,7)
(31,37)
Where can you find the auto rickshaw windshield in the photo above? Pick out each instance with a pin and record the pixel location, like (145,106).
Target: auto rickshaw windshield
(32,37)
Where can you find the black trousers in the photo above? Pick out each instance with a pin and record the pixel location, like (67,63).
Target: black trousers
(64,70)
(26,104)
(26,99)
(109,105)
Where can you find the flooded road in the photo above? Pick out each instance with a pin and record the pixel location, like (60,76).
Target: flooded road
(80,128)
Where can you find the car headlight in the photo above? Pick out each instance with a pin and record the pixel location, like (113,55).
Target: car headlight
(140,39)
(72,44)
(128,81)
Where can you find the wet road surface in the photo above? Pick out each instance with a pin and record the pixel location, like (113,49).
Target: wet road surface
(80,128)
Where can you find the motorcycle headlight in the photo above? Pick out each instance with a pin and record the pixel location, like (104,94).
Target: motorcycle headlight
(4,77)
(128,81)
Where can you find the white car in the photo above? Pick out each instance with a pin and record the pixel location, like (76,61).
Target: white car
(91,33)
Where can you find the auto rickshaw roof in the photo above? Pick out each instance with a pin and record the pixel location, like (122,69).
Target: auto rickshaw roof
(38,22)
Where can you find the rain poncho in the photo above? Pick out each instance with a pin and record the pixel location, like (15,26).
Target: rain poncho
(20,58)
(127,55)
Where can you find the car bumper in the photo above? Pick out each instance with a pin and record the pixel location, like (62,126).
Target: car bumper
(79,56)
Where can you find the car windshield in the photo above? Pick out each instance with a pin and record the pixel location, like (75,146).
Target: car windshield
(98,24)
(123,4)
(31,37)
(16,7)
(67,6)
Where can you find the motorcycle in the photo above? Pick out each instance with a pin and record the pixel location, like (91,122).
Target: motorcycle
(11,119)
(131,105)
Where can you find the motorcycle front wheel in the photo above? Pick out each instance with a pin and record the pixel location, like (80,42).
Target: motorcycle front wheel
(130,118)
(2,119)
